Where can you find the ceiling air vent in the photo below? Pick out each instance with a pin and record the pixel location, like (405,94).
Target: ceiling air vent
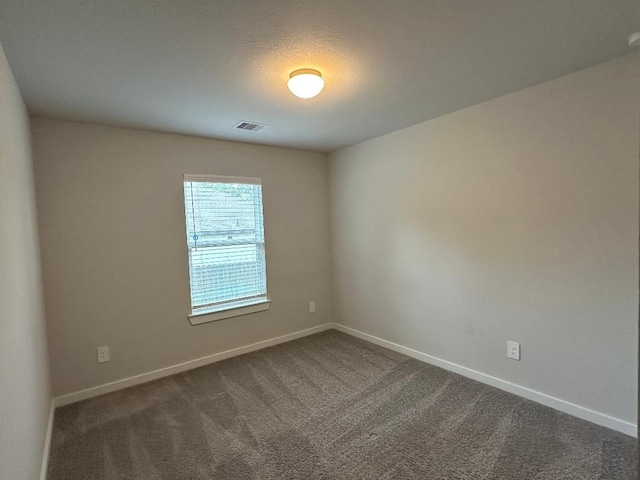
(250,126)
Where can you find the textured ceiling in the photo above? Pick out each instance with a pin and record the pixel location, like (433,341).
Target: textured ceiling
(201,66)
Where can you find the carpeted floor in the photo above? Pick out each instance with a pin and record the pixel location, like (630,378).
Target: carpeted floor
(328,406)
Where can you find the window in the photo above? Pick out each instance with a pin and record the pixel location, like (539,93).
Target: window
(225,241)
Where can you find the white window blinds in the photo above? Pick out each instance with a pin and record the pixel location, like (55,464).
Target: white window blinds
(225,240)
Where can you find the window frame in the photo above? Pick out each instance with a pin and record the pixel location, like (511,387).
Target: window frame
(239,306)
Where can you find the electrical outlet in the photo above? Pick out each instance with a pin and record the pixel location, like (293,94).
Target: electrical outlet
(312,307)
(103,354)
(513,350)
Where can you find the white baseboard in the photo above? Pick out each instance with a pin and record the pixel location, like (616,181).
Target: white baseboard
(182,367)
(584,413)
(47,442)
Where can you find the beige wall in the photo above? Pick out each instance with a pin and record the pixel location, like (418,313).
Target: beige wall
(516,219)
(115,268)
(25,394)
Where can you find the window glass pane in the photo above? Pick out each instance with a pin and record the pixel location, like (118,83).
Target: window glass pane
(221,274)
(220,212)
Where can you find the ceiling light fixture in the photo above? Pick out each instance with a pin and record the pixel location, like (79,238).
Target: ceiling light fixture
(305,83)
(634,39)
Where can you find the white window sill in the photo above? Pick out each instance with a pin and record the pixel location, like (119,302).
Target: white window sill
(205,317)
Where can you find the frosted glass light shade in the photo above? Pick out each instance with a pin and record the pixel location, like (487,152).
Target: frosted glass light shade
(305,83)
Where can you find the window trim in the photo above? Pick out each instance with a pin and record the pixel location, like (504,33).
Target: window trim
(230,309)
(221,179)
(229,312)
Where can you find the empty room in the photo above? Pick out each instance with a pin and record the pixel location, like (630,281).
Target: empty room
(294,239)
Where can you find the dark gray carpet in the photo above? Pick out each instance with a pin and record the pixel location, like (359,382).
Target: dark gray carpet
(328,406)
